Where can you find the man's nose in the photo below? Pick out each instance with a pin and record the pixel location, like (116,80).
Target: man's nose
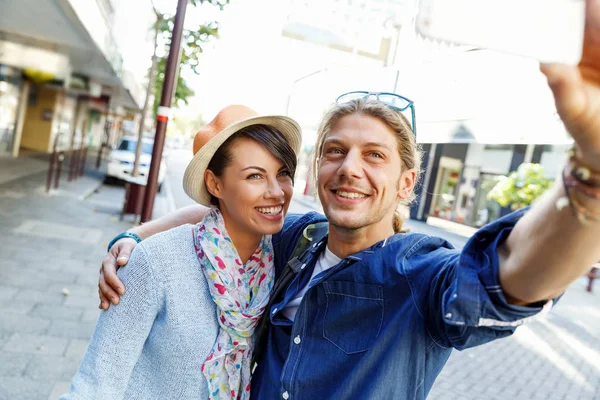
(352,165)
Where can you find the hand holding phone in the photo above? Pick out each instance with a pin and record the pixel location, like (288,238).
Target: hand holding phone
(550,31)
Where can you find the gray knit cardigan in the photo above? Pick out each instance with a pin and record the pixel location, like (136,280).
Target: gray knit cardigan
(153,344)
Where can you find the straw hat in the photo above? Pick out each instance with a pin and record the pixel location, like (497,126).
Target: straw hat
(228,121)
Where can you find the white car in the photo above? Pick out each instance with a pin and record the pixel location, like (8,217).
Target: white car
(122,157)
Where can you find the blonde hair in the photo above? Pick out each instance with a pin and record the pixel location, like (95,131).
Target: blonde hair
(409,151)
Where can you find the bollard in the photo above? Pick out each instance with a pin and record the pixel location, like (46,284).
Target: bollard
(82,162)
(50,170)
(76,166)
(99,158)
(61,158)
(72,163)
(592,275)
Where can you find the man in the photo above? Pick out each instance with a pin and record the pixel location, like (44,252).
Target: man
(375,314)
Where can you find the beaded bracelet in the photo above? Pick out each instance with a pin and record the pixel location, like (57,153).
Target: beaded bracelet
(581,172)
(571,181)
(587,191)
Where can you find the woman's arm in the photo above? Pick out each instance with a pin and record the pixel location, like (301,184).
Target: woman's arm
(109,285)
(119,336)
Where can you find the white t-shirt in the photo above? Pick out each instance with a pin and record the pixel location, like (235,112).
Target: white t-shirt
(326,260)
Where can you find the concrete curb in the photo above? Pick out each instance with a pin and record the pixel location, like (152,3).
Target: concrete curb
(91,191)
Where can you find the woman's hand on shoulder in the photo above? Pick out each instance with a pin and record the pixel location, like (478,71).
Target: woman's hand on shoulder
(110,287)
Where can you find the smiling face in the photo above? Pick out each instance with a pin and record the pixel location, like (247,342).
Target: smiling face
(360,177)
(254,189)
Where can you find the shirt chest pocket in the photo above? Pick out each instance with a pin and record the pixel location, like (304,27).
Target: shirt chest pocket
(353,315)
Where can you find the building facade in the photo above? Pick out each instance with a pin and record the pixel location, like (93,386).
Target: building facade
(68,75)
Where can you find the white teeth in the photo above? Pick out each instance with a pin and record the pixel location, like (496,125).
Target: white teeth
(350,195)
(270,210)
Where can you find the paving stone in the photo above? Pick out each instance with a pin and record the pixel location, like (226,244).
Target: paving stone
(36,344)
(84,302)
(22,388)
(69,329)
(23,324)
(51,369)
(37,296)
(13,364)
(21,308)
(77,348)
(4,337)
(60,388)
(7,292)
(73,289)
(24,280)
(57,312)
(88,278)
(91,315)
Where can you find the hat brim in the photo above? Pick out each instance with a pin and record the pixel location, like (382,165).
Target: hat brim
(193,179)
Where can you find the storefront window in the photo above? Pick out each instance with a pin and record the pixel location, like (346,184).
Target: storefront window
(445,198)
(485,210)
(63,122)
(10,92)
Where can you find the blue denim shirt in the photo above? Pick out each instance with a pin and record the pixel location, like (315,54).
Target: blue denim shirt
(381,324)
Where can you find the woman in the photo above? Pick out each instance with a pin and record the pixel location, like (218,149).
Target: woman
(195,293)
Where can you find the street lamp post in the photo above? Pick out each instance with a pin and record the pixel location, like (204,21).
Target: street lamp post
(149,92)
(164,111)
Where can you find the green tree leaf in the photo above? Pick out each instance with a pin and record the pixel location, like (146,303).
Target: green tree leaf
(521,187)
(192,43)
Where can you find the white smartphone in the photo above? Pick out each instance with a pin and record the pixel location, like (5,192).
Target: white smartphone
(550,31)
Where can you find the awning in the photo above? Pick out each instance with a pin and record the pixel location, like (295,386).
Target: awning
(530,129)
(63,37)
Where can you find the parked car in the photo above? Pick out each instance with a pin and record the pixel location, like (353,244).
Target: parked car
(122,157)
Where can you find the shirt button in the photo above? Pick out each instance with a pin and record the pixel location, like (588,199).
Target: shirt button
(297,340)
(285,395)
(449,315)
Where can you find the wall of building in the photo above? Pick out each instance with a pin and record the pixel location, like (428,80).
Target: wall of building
(40,114)
(553,161)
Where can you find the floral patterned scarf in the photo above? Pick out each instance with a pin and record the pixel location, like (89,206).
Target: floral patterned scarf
(241,293)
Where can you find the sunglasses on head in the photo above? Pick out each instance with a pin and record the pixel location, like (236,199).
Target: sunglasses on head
(392,100)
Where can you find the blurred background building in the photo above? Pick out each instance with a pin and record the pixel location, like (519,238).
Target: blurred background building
(72,72)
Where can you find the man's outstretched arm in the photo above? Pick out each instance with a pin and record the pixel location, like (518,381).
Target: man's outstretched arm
(110,286)
(549,247)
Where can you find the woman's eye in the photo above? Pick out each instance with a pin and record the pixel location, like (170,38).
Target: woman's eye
(254,176)
(376,155)
(285,173)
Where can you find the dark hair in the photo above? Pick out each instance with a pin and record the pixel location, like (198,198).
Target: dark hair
(267,136)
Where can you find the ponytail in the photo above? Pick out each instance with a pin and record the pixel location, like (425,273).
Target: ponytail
(398,222)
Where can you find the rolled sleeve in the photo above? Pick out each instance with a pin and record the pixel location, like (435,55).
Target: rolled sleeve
(477,298)
(465,305)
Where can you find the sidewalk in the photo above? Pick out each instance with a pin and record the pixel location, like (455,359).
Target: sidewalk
(51,246)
